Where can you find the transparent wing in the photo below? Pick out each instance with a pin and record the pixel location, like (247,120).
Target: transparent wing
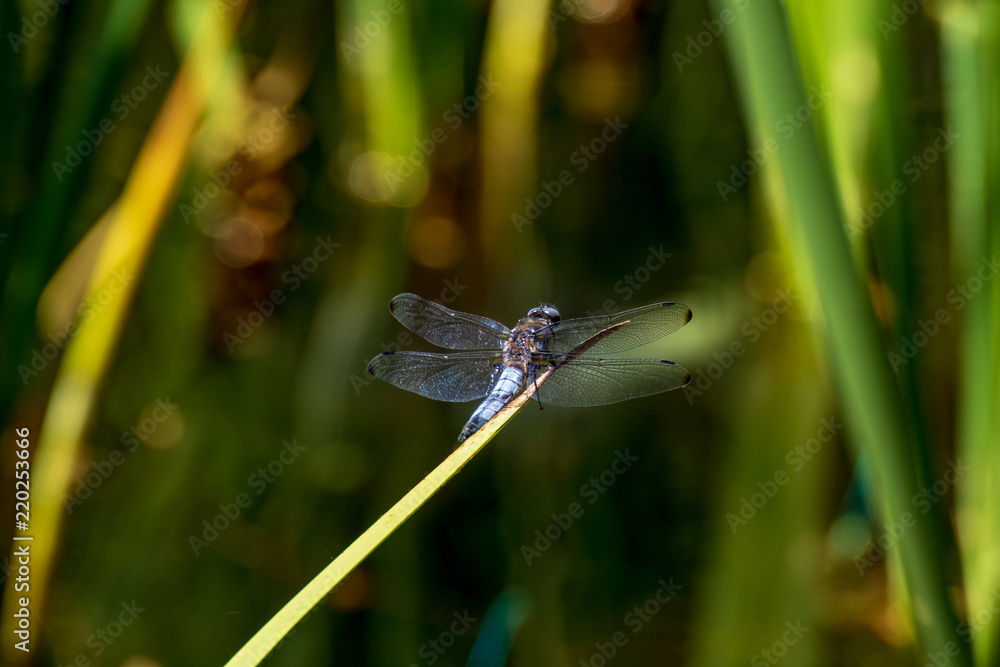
(458,377)
(588,381)
(645,324)
(447,328)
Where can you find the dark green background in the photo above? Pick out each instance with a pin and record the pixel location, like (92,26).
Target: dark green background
(763,382)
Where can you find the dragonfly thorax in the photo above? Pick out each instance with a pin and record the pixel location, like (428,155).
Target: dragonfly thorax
(529,337)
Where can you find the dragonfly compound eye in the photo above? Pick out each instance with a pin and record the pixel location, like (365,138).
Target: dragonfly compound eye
(544,313)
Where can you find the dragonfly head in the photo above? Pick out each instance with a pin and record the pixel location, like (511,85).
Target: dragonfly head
(546,314)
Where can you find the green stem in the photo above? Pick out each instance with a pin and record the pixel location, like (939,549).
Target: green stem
(877,419)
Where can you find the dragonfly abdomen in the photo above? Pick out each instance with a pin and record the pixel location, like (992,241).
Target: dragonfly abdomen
(508,384)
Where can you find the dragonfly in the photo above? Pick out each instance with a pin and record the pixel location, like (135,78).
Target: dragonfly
(494,363)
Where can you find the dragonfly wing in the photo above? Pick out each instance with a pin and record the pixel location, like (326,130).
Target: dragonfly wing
(459,377)
(589,381)
(447,328)
(643,325)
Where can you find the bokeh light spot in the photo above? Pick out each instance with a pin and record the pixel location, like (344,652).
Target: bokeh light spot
(595,11)
(377,177)
(856,74)
(141,661)
(160,424)
(239,242)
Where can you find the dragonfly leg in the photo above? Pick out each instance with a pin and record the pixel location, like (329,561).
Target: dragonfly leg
(534,380)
